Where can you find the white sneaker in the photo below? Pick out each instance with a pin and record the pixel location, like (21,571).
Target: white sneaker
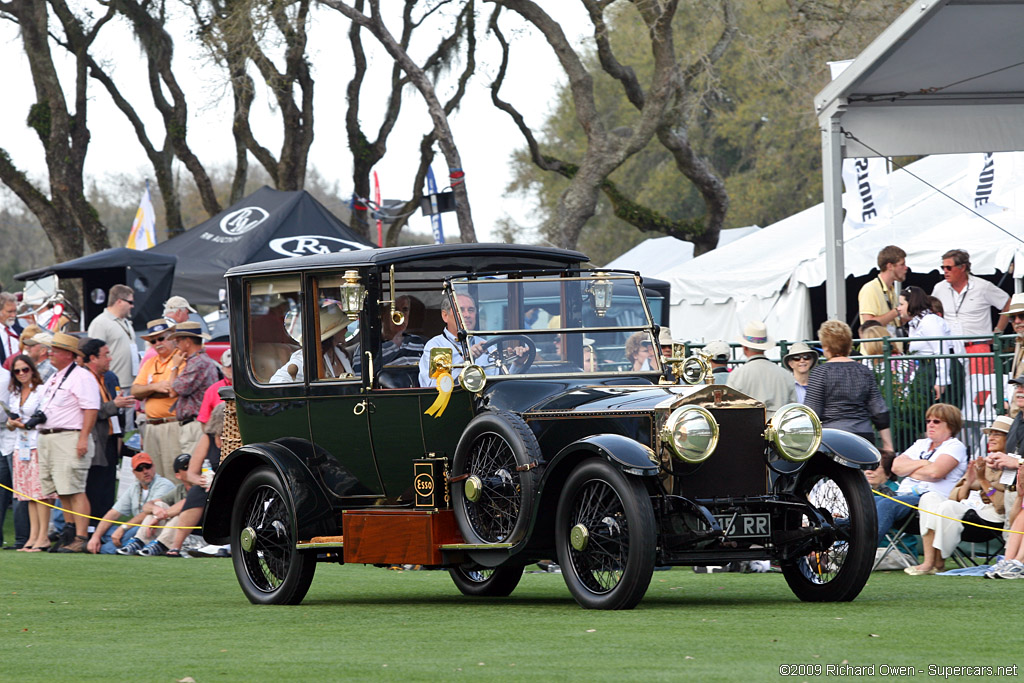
(994,570)
(1014,570)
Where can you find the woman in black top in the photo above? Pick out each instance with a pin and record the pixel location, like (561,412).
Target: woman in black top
(844,393)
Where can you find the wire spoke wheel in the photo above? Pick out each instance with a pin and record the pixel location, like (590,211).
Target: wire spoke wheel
(476,581)
(495,514)
(605,537)
(269,568)
(494,496)
(837,572)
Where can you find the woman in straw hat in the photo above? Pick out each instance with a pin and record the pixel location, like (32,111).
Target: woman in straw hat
(336,363)
(800,360)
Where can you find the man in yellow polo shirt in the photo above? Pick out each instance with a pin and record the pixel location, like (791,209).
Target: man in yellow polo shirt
(153,385)
(877,298)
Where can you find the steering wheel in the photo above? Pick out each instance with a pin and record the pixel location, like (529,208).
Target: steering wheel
(531,351)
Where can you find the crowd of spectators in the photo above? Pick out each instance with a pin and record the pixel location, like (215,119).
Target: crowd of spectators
(71,401)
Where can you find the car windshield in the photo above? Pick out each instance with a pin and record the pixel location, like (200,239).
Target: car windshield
(574,322)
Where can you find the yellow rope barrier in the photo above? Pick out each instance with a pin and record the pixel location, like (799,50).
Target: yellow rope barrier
(98,519)
(914,507)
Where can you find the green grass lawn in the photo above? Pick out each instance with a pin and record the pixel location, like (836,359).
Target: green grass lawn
(75,617)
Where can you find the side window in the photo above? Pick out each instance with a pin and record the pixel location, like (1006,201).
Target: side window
(340,354)
(274,324)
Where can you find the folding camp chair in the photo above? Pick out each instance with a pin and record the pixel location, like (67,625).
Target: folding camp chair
(975,535)
(897,538)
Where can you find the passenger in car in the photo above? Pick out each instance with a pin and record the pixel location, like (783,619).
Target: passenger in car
(336,360)
(400,348)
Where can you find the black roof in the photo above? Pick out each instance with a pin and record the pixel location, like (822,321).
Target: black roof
(396,255)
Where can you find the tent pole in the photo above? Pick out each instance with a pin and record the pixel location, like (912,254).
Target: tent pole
(832,189)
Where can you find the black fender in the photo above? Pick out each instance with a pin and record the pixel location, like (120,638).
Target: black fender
(313,513)
(849,449)
(622,452)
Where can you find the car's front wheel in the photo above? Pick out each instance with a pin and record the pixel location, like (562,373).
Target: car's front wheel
(605,537)
(484,582)
(269,568)
(839,572)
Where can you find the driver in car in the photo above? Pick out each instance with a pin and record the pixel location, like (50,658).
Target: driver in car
(448,339)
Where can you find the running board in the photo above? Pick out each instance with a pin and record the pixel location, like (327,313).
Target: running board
(321,542)
(476,546)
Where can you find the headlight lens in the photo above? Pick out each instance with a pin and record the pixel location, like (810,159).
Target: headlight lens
(796,432)
(695,370)
(692,433)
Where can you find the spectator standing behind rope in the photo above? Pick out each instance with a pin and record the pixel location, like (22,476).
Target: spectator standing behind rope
(1009,460)
(198,373)
(114,327)
(976,498)
(22,444)
(1015,312)
(37,347)
(939,373)
(967,299)
(69,403)
(760,378)
(10,328)
(877,298)
(153,385)
(800,360)
(844,393)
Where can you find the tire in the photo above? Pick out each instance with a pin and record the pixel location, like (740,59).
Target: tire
(614,568)
(495,447)
(839,573)
(271,571)
(481,582)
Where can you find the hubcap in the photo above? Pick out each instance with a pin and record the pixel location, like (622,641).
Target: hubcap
(473,487)
(248,539)
(578,537)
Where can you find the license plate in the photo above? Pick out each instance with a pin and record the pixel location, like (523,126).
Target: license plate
(749,525)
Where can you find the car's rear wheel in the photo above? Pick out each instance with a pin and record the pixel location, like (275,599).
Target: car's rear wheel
(481,582)
(270,570)
(605,537)
(839,572)
(494,488)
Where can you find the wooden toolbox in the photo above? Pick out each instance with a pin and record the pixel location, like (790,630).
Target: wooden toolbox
(398,536)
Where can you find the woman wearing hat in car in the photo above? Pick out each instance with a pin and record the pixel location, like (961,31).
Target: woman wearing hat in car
(976,498)
(335,361)
(800,360)
(843,392)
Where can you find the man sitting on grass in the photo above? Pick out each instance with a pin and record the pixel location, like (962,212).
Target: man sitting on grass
(166,511)
(148,485)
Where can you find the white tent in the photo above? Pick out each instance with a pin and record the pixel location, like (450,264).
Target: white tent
(659,254)
(946,77)
(767,275)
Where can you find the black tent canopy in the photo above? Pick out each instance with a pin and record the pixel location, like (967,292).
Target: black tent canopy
(268,224)
(149,274)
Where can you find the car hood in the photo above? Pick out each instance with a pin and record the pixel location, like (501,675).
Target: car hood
(613,396)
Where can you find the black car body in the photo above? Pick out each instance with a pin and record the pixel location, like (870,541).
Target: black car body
(562,440)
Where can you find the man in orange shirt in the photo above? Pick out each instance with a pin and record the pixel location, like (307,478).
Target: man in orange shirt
(153,385)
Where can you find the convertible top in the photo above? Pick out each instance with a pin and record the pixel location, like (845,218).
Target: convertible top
(444,256)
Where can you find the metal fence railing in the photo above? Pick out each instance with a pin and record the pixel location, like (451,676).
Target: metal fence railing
(978,385)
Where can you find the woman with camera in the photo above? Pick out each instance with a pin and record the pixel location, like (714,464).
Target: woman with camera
(20,437)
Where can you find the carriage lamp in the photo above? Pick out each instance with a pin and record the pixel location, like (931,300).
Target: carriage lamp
(601,292)
(352,294)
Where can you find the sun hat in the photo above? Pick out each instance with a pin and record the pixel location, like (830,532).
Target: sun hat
(718,350)
(43,338)
(65,342)
(755,336)
(225,359)
(332,321)
(1000,424)
(799,349)
(176,303)
(1016,304)
(155,327)
(665,337)
(188,329)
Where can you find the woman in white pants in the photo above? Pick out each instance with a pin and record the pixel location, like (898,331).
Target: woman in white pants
(978,497)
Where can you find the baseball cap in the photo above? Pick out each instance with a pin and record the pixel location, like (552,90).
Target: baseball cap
(181,462)
(141,459)
(177,302)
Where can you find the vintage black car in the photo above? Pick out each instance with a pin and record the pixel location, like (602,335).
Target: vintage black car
(563,437)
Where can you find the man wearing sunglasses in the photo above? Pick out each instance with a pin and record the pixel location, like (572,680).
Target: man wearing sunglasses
(114,326)
(966,299)
(148,486)
(162,435)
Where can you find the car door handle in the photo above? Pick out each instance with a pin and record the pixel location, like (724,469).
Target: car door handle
(362,407)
